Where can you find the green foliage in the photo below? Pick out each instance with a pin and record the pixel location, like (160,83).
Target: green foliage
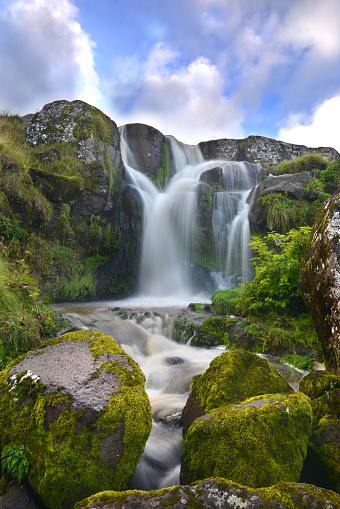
(11,230)
(331,173)
(275,287)
(284,213)
(197,306)
(298,361)
(307,162)
(15,461)
(224,301)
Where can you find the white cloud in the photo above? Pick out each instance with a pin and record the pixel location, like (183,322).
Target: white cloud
(45,55)
(188,103)
(321,131)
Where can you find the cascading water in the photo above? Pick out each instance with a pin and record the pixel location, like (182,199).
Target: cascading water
(169,218)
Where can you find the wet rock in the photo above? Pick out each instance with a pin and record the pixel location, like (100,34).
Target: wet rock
(16,496)
(149,151)
(320,281)
(213,493)
(73,404)
(258,442)
(233,377)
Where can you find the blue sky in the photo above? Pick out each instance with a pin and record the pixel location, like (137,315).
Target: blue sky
(196,69)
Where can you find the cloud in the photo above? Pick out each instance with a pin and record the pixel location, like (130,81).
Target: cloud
(188,103)
(45,55)
(321,130)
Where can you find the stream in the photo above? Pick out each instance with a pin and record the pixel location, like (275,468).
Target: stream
(145,333)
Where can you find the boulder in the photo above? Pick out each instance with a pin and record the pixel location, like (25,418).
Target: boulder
(74,403)
(257,443)
(232,377)
(213,493)
(318,383)
(320,281)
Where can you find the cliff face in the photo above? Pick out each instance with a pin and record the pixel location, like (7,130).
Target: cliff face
(258,149)
(66,184)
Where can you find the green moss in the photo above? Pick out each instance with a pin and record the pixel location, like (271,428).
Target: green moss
(257,443)
(235,376)
(317,383)
(66,454)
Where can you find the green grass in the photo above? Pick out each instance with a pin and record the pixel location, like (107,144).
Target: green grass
(298,361)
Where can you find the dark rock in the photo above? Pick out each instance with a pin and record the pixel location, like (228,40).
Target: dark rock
(16,496)
(320,281)
(322,465)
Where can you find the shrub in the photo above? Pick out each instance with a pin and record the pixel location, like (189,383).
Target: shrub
(14,461)
(275,287)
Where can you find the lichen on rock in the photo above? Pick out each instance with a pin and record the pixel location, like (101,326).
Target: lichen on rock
(78,406)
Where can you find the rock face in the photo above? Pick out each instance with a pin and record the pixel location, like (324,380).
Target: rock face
(74,404)
(257,443)
(261,150)
(320,281)
(232,377)
(213,493)
(149,151)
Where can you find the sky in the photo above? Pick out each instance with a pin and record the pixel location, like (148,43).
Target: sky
(194,69)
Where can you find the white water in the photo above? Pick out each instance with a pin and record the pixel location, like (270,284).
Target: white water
(169,219)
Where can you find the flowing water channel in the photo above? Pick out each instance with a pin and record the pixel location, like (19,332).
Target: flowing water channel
(168,367)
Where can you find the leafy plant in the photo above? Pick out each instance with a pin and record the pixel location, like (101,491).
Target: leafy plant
(275,287)
(298,361)
(224,301)
(15,461)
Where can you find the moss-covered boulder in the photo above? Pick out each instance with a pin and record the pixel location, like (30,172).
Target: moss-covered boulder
(322,466)
(319,281)
(257,443)
(318,383)
(232,377)
(212,493)
(78,406)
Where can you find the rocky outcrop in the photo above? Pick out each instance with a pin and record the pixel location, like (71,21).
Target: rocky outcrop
(320,281)
(231,378)
(258,149)
(291,186)
(213,493)
(258,442)
(73,404)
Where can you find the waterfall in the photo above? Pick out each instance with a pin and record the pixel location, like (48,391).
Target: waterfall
(169,220)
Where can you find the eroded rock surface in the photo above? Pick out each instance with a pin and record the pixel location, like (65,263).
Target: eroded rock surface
(320,281)
(78,406)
